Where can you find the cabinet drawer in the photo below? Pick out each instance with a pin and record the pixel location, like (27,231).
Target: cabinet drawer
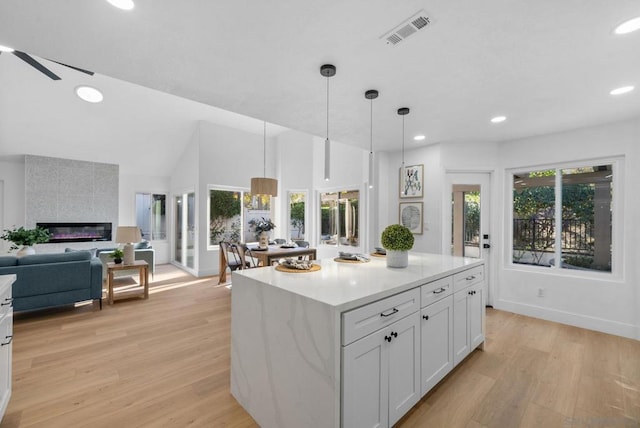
(468,277)
(436,290)
(374,316)
(5,300)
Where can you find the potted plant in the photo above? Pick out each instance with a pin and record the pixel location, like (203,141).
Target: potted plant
(260,227)
(25,238)
(397,240)
(117,256)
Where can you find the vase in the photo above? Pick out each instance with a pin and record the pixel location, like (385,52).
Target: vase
(117,261)
(27,250)
(397,259)
(263,240)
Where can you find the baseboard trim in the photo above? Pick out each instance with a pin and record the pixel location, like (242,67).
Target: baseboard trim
(578,320)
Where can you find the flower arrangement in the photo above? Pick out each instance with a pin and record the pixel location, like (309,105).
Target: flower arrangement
(397,238)
(260,225)
(22,237)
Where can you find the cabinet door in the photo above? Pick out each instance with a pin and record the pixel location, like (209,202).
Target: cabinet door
(436,331)
(404,366)
(365,379)
(476,315)
(6,332)
(461,346)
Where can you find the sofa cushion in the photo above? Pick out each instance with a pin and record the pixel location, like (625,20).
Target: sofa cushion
(8,261)
(72,256)
(93,251)
(104,250)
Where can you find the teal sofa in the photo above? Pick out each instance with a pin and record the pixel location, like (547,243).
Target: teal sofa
(48,280)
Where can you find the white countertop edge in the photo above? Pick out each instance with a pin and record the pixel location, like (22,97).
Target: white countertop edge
(344,286)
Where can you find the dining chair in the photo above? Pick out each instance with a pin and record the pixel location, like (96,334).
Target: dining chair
(280,241)
(232,256)
(246,256)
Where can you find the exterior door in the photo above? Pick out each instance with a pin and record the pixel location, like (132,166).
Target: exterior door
(466,223)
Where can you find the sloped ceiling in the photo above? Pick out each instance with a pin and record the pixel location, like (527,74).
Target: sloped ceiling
(547,65)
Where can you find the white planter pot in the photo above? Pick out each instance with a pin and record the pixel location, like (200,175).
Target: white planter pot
(26,251)
(263,240)
(397,259)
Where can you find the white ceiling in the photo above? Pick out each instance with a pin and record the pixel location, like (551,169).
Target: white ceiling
(547,65)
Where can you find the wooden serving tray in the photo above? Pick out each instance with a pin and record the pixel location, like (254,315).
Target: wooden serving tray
(378,255)
(281,268)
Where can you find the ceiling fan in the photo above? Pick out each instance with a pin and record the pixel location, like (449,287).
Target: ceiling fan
(38,66)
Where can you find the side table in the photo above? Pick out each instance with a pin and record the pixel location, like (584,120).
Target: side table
(143,268)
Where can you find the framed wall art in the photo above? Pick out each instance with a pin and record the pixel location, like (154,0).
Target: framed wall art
(412,181)
(411,216)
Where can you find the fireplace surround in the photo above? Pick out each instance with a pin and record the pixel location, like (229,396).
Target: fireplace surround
(77,232)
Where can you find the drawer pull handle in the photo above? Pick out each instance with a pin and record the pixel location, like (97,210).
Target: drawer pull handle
(471,293)
(439,290)
(8,342)
(388,338)
(425,317)
(7,301)
(394,311)
(470,278)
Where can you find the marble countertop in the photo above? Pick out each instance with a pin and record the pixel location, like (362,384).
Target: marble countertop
(345,286)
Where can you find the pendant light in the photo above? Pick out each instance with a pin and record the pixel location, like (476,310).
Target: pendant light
(371,95)
(327,70)
(403,111)
(263,185)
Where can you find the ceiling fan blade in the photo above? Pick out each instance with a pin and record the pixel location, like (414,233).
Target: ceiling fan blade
(90,73)
(35,64)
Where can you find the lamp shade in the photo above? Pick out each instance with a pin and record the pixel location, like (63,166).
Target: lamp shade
(128,234)
(264,186)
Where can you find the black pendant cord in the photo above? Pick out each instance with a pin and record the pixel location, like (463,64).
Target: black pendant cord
(327,107)
(371,129)
(402,140)
(264,151)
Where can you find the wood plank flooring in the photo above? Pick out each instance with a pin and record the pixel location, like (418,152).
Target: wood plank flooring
(164,362)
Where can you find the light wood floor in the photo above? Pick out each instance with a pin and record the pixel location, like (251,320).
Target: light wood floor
(164,362)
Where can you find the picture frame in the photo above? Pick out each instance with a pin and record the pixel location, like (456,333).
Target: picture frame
(410,215)
(412,181)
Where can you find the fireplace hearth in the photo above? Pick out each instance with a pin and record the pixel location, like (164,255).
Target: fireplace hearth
(77,232)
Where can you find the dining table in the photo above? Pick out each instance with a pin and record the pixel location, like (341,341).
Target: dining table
(272,253)
(267,256)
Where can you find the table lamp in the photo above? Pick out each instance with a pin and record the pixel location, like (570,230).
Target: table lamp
(127,235)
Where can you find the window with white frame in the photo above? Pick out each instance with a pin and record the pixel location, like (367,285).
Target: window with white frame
(563,217)
(151,216)
(231,212)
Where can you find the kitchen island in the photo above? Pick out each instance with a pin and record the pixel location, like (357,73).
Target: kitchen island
(351,344)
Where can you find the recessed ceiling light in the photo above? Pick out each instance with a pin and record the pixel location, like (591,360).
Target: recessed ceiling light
(498,119)
(89,94)
(6,49)
(419,137)
(628,26)
(122,4)
(622,90)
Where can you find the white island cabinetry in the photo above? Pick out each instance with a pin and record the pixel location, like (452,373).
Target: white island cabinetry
(347,345)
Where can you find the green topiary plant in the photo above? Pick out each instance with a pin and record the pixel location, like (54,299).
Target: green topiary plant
(21,237)
(397,238)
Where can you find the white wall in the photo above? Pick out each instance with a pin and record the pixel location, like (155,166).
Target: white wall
(13,214)
(600,302)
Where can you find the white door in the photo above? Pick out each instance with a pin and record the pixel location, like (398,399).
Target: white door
(466,222)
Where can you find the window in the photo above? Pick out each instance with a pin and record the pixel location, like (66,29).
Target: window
(582,198)
(339,218)
(151,216)
(230,212)
(297,217)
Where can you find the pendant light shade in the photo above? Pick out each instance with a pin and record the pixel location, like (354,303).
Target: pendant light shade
(403,111)
(371,95)
(327,70)
(263,185)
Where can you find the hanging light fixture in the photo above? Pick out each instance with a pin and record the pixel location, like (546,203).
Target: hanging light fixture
(263,185)
(371,95)
(403,111)
(327,70)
